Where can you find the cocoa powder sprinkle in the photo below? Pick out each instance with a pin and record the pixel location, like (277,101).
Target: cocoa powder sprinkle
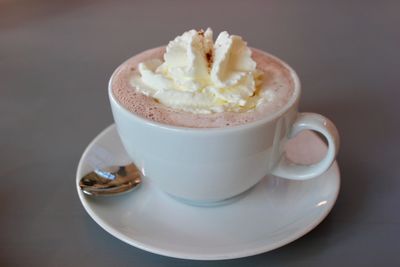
(209,59)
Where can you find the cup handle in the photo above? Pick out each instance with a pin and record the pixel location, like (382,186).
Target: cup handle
(318,123)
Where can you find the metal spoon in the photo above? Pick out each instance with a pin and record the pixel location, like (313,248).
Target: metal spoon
(111,181)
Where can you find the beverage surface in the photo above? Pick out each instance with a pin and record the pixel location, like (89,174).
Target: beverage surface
(152,85)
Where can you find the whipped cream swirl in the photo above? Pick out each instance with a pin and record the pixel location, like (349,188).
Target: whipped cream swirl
(200,76)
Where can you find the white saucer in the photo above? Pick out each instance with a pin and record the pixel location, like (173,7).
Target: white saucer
(275,212)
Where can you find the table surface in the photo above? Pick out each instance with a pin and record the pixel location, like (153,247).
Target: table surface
(56,58)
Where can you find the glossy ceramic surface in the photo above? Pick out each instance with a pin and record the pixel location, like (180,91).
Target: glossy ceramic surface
(273,213)
(184,161)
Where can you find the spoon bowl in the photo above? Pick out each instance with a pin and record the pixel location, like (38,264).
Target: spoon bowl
(112,181)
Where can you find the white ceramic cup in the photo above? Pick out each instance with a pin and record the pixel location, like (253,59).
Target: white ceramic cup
(214,164)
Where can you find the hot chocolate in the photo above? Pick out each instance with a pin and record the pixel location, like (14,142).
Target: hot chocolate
(205,121)
(201,84)
(275,83)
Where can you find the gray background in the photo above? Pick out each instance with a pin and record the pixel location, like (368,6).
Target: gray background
(56,58)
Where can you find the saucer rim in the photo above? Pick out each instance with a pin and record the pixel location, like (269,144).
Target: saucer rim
(197,256)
